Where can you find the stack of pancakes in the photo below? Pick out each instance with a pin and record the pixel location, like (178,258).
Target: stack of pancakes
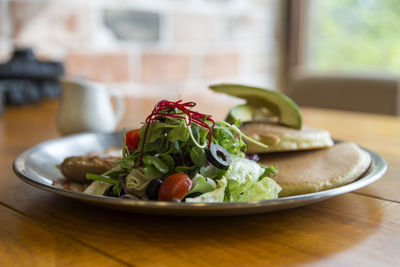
(307,159)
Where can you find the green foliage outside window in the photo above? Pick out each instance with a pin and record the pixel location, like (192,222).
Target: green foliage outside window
(353,36)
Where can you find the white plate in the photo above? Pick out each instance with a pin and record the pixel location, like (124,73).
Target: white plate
(36,166)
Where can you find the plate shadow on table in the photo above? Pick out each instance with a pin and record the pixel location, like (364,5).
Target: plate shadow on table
(327,227)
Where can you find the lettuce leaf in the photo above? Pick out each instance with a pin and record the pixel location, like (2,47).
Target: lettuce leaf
(243,177)
(216,195)
(138,181)
(262,190)
(201,185)
(241,174)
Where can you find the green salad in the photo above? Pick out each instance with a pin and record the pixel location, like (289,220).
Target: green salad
(185,156)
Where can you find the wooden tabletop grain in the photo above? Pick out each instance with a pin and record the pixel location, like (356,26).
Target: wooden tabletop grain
(38,228)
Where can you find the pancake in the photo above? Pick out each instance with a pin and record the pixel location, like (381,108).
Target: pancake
(304,172)
(283,138)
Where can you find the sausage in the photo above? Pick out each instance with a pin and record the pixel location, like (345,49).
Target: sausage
(76,168)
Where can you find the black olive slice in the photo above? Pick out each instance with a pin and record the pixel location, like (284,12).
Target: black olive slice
(218,156)
(110,192)
(152,188)
(192,195)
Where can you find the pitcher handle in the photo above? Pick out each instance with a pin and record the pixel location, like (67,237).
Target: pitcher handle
(119,105)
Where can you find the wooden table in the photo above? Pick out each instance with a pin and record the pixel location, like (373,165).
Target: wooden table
(38,228)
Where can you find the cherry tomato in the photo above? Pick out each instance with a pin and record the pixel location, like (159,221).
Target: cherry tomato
(132,139)
(176,185)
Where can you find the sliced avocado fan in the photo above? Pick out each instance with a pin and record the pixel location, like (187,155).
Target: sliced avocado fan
(279,104)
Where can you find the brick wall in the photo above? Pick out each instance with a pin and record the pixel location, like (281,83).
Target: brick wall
(152,47)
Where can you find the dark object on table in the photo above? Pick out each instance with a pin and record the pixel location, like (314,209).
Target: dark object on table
(24,79)
(1,101)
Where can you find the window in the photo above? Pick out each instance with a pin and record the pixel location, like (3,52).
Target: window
(350,36)
(345,54)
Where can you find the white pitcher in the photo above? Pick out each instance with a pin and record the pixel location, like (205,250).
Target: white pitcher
(86,106)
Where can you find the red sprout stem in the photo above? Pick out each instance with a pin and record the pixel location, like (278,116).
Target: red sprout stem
(193,117)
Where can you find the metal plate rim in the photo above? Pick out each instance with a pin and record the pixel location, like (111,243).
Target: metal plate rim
(377,169)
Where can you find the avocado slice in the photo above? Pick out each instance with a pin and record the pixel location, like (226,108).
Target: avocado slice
(282,106)
(247,112)
(243,113)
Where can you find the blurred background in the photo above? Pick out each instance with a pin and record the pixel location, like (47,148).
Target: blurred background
(341,54)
